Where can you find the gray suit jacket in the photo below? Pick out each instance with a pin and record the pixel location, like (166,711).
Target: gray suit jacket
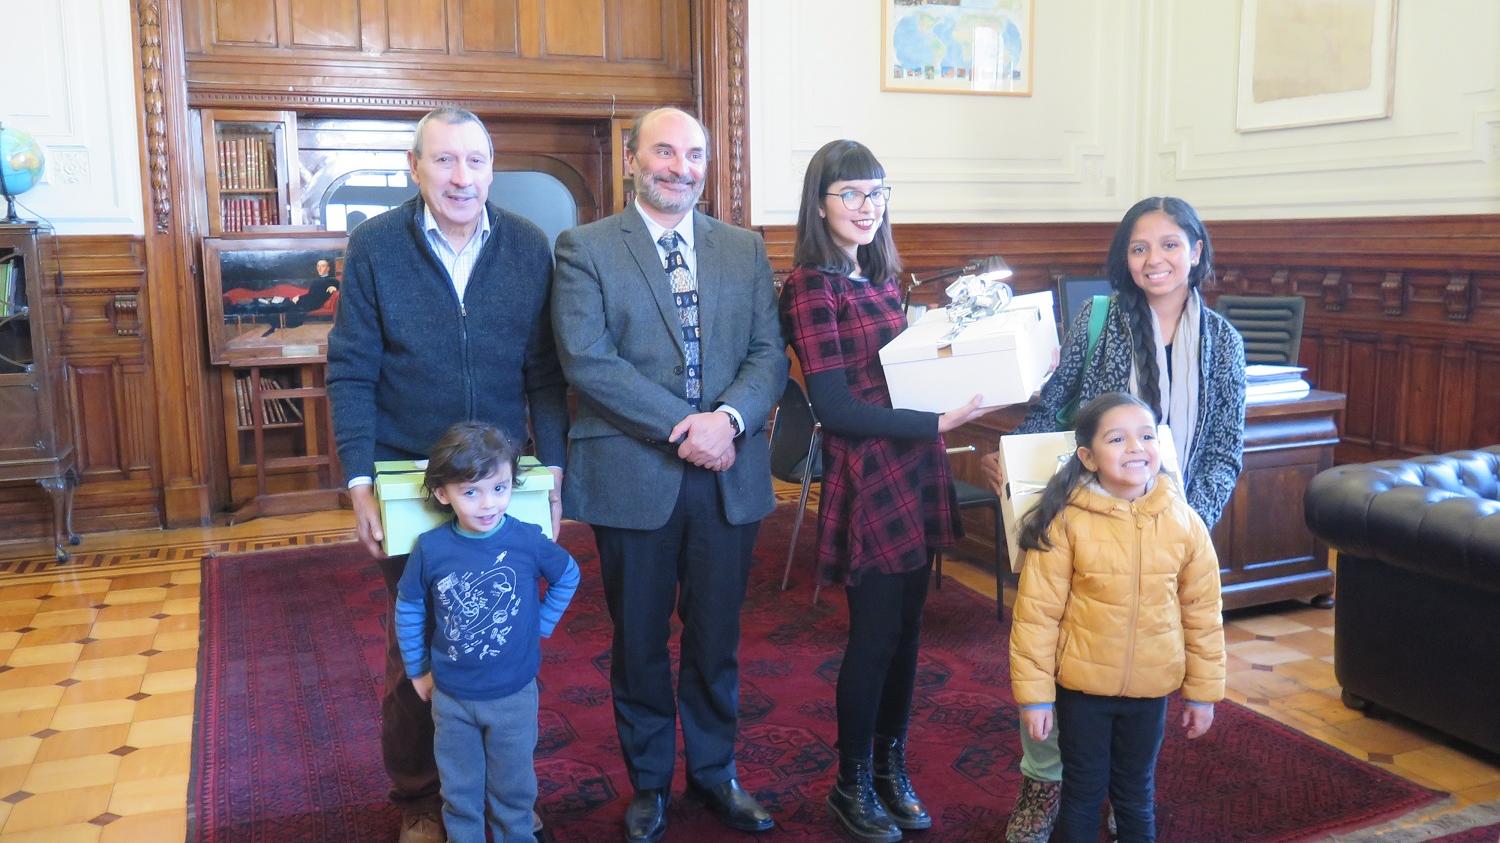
(621,349)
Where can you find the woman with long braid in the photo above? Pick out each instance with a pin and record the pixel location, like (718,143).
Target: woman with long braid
(1186,362)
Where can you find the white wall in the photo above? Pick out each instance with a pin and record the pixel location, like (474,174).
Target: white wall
(1130,98)
(77,97)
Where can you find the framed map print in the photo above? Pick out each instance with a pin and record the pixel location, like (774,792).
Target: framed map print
(956,46)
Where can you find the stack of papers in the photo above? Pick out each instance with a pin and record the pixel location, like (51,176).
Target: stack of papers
(1265,383)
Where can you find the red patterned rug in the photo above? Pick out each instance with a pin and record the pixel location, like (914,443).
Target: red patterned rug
(286,746)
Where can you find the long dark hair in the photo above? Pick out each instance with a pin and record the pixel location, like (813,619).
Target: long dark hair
(467,452)
(842,160)
(1034,524)
(1133,300)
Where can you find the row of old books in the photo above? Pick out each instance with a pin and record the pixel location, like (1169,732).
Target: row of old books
(238,213)
(247,163)
(277,410)
(12,287)
(1265,383)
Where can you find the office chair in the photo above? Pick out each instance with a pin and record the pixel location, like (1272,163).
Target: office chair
(1270,325)
(970,495)
(796,457)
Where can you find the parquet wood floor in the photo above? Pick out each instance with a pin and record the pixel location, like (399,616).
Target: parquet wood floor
(98,667)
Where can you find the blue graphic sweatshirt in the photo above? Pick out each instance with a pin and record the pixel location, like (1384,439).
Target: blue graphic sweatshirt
(481,592)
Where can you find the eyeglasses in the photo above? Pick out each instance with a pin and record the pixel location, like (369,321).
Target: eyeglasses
(855,199)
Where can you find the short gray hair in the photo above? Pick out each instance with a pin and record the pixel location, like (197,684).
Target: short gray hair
(632,143)
(453,116)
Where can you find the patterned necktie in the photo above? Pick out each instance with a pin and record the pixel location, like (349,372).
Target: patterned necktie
(685,295)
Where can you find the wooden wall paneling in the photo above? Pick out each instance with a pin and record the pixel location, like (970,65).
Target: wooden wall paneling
(574,28)
(1422,371)
(326,24)
(488,27)
(416,26)
(641,30)
(174,311)
(243,22)
(1484,421)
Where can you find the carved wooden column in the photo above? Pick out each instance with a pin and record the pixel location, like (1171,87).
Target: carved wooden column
(172,310)
(724,105)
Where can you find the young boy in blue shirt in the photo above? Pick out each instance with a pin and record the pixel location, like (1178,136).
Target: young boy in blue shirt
(476,577)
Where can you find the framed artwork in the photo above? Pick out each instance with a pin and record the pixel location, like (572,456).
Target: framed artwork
(957,46)
(1312,62)
(271,299)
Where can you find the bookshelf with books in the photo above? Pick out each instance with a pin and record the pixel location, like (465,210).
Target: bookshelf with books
(36,422)
(248,160)
(279,441)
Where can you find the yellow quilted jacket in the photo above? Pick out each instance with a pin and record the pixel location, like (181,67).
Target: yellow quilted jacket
(1125,604)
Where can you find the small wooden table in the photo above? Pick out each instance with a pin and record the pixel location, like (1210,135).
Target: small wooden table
(1266,553)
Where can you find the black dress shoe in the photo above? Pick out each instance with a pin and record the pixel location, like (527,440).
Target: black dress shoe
(646,817)
(735,807)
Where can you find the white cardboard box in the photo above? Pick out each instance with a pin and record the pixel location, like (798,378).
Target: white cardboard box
(1030,460)
(1004,358)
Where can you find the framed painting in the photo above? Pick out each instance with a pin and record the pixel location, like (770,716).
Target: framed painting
(957,46)
(1313,62)
(272,299)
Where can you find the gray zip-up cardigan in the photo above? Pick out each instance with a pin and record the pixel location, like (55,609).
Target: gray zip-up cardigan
(1219,442)
(406,358)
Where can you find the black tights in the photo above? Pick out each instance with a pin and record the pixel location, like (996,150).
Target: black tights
(880,662)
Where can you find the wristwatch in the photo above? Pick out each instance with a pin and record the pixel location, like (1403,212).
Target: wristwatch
(733,422)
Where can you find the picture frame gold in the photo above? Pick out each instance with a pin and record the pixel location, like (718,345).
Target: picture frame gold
(266,299)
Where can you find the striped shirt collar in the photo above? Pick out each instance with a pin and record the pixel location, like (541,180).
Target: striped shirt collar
(435,235)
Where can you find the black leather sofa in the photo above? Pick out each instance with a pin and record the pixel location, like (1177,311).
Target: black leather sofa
(1417,628)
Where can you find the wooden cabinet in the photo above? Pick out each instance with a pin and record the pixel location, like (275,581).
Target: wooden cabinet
(36,427)
(248,161)
(279,440)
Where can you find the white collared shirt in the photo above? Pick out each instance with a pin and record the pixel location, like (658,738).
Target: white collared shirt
(460,263)
(684,230)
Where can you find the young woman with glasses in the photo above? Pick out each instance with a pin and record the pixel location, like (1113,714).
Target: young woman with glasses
(887,497)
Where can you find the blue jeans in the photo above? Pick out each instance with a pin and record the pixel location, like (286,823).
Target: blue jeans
(1109,746)
(484,754)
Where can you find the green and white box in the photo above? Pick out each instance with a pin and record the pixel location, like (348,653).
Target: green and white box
(406,512)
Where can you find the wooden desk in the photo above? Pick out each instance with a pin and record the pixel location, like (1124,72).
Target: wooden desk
(1266,552)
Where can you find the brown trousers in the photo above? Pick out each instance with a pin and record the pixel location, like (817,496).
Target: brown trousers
(406,721)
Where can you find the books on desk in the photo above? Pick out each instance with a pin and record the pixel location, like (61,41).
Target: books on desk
(1265,383)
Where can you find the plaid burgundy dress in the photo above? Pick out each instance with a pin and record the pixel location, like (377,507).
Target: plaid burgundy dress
(885,502)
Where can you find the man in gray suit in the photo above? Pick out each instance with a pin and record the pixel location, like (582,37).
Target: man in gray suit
(666,327)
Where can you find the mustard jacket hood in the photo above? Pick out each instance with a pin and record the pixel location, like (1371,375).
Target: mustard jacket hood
(1125,603)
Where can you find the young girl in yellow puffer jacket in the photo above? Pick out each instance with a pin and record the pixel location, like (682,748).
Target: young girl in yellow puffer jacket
(1118,607)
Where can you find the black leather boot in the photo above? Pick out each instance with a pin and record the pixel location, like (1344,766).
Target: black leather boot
(854,802)
(893,785)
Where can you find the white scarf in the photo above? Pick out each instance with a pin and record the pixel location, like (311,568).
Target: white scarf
(1179,393)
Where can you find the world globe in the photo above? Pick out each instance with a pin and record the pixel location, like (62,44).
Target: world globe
(21,160)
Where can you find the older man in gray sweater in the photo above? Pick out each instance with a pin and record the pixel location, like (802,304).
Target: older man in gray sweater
(443,317)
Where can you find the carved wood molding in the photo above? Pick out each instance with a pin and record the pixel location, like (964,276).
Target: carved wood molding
(738,212)
(1393,293)
(574,106)
(156,121)
(1278,281)
(1335,291)
(124,314)
(1458,296)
